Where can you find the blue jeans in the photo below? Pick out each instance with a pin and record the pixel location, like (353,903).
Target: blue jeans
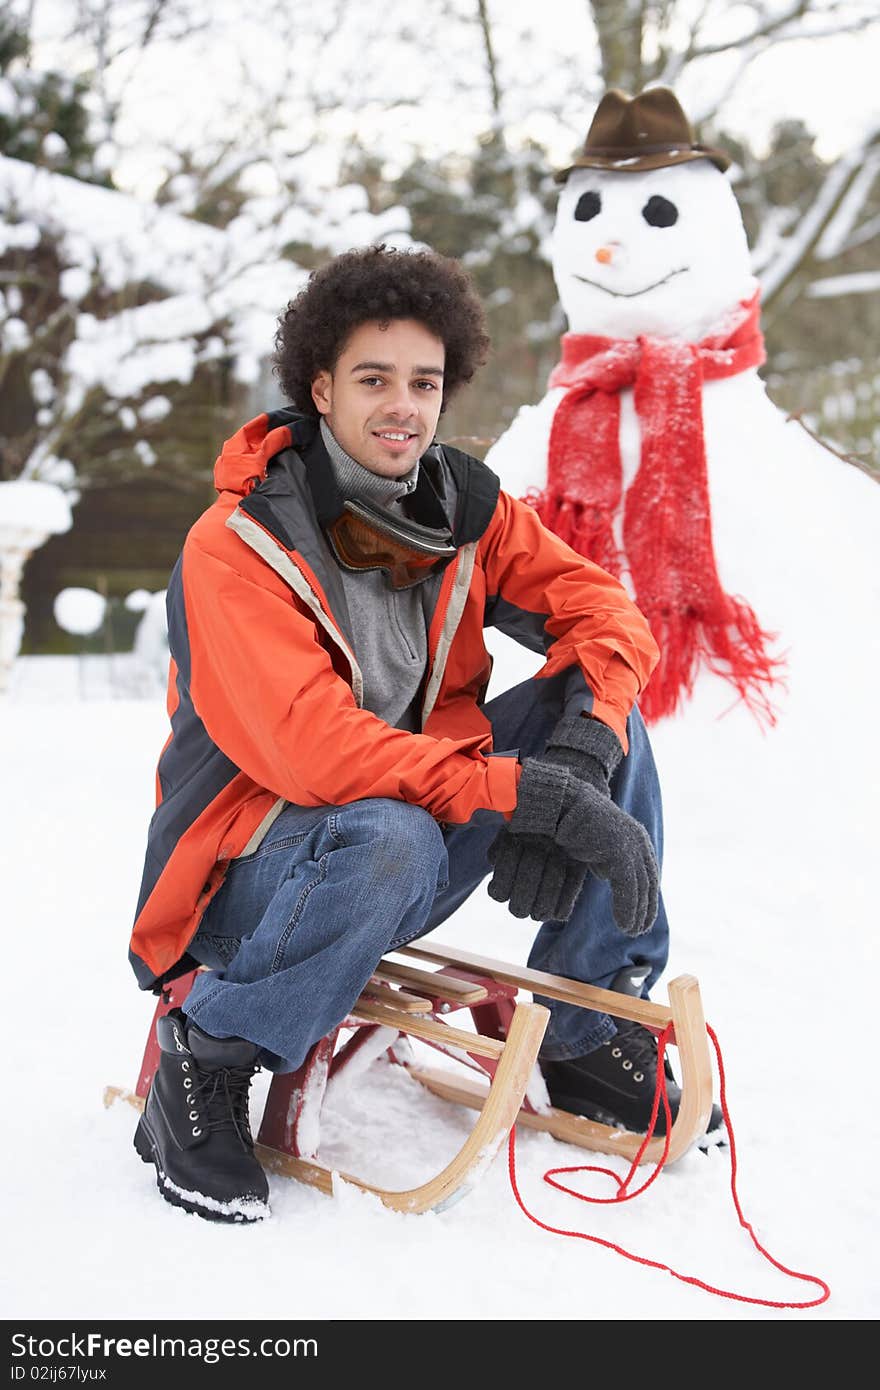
(298,927)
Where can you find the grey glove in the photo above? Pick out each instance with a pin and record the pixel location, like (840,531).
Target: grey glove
(532,874)
(586,747)
(563,826)
(534,877)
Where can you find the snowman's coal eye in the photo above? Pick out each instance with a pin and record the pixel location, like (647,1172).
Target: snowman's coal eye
(588,204)
(659,212)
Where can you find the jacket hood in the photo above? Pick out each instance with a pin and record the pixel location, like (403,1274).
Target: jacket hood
(244,458)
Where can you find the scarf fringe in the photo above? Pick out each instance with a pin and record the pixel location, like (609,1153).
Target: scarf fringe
(734,648)
(586,528)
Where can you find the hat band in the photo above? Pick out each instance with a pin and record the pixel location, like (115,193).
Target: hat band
(615,151)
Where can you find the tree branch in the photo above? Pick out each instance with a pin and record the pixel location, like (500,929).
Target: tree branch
(491,64)
(771,26)
(840,225)
(866,232)
(847,458)
(823,208)
(859,282)
(154,16)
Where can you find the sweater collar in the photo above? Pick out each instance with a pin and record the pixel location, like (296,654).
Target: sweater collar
(358,482)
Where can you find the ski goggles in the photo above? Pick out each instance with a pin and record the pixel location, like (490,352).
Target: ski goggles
(366,538)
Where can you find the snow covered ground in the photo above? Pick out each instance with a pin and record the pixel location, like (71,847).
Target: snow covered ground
(782,941)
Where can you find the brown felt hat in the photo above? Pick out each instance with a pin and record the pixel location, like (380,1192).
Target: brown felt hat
(632,134)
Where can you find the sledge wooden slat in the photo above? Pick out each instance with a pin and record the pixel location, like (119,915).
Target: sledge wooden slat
(695,1061)
(428,1029)
(605,1001)
(694,1109)
(384,993)
(433,982)
(571,1129)
(112,1093)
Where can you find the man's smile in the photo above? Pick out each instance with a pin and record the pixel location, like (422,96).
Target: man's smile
(396,441)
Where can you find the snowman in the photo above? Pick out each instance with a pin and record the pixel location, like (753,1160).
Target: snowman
(753,551)
(749,546)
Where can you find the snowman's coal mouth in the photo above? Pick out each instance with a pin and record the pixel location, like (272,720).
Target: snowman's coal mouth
(631,294)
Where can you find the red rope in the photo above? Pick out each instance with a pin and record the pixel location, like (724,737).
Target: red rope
(623,1195)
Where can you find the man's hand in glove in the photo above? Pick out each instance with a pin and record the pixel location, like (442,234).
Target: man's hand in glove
(565,824)
(586,747)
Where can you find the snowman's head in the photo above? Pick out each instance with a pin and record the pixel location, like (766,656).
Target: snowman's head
(661,251)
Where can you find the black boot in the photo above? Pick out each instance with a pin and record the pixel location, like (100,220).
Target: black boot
(195,1127)
(614,1085)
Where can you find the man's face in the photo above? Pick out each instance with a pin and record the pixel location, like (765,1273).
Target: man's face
(382,399)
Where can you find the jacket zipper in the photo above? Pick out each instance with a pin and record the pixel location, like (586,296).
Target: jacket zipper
(267,547)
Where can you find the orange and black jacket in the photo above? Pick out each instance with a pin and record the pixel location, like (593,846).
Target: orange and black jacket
(265,692)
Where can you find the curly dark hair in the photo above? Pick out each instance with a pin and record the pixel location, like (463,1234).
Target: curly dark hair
(378,283)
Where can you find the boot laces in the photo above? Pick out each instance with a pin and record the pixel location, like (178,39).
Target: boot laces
(640,1044)
(222,1096)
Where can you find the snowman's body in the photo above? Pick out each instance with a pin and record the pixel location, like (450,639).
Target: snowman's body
(796,530)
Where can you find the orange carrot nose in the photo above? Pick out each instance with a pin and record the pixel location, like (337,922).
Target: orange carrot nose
(605,254)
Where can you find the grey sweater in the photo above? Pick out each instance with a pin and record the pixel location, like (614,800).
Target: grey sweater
(390,626)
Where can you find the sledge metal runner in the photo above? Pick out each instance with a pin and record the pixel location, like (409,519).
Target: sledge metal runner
(497,1073)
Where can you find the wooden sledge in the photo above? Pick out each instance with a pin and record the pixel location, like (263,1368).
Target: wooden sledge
(497,1073)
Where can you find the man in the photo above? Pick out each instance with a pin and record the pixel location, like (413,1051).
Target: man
(335,784)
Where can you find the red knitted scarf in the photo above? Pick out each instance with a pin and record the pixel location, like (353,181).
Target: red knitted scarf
(667,531)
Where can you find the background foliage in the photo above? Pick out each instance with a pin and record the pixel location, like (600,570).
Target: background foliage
(325,152)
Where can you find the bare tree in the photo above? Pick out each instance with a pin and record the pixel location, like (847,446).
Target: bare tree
(654,41)
(657,41)
(466,82)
